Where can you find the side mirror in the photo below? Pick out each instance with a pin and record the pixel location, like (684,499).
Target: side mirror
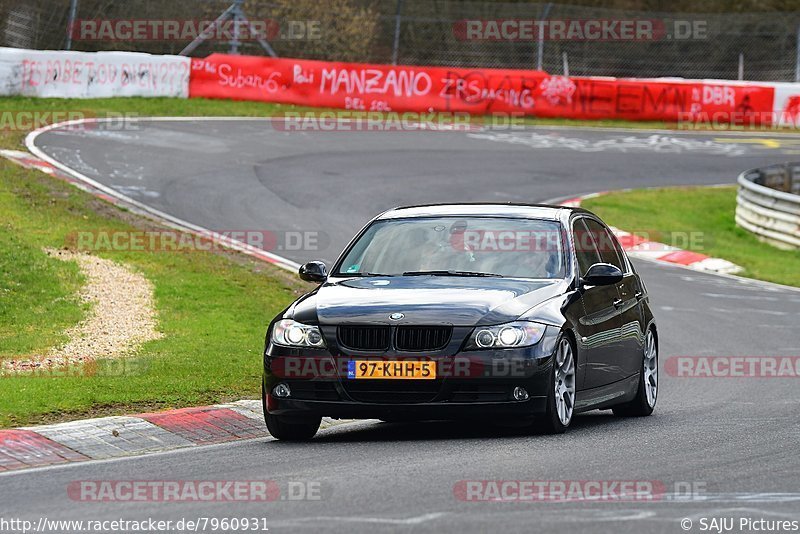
(314,271)
(602,274)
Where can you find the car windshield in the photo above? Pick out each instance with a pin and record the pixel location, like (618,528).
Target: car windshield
(457,246)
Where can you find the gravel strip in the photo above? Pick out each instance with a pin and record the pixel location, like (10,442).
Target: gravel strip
(122,316)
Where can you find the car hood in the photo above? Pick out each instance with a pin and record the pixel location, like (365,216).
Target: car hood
(424,300)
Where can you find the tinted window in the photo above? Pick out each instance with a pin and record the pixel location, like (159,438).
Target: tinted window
(606,243)
(585,250)
(622,257)
(524,248)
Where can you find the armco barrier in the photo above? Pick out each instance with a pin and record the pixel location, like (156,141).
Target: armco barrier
(768,204)
(365,87)
(61,74)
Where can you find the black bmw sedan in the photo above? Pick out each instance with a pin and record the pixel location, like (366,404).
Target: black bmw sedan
(520,313)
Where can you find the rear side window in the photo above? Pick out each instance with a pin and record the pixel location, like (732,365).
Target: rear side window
(626,264)
(606,244)
(585,250)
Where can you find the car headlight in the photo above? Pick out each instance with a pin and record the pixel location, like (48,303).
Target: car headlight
(505,336)
(293,334)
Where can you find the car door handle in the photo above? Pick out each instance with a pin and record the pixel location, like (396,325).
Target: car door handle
(617,303)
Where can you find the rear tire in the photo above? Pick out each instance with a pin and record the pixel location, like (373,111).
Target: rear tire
(561,393)
(647,393)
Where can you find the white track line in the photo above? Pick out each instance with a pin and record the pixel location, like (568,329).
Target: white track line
(169,220)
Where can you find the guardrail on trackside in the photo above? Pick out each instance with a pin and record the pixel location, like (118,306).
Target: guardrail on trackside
(768,204)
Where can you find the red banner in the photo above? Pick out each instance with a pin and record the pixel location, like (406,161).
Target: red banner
(363,87)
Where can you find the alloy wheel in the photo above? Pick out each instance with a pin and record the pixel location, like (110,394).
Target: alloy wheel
(651,369)
(565,382)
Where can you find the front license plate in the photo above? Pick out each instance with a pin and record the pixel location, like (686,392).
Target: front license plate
(392,370)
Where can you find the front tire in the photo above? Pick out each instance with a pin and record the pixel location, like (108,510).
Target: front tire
(289,428)
(292,429)
(647,393)
(561,396)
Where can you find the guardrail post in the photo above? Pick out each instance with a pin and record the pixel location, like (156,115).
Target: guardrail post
(787,178)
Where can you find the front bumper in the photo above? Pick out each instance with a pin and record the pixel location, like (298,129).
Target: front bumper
(481,387)
(422,411)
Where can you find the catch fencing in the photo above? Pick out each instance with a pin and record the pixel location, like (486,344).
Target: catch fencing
(564,40)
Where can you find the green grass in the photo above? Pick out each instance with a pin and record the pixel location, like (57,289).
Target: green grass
(699,219)
(38,294)
(213,310)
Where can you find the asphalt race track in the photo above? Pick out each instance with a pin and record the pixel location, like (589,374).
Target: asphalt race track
(733,439)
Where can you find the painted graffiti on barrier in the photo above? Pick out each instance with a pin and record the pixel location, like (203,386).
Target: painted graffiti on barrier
(367,87)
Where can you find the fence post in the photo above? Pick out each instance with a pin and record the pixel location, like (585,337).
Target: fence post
(237,20)
(797,57)
(234,13)
(741,66)
(397,20)
(540,42)
(565,61)
(73,14)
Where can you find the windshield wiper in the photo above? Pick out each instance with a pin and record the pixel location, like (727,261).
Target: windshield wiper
(365,274)
(450,273)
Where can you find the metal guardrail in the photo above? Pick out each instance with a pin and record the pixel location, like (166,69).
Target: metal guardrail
(768,204)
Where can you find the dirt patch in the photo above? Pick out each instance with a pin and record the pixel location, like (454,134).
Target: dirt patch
(122,317)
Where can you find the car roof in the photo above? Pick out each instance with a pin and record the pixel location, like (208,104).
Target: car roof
(482,209)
